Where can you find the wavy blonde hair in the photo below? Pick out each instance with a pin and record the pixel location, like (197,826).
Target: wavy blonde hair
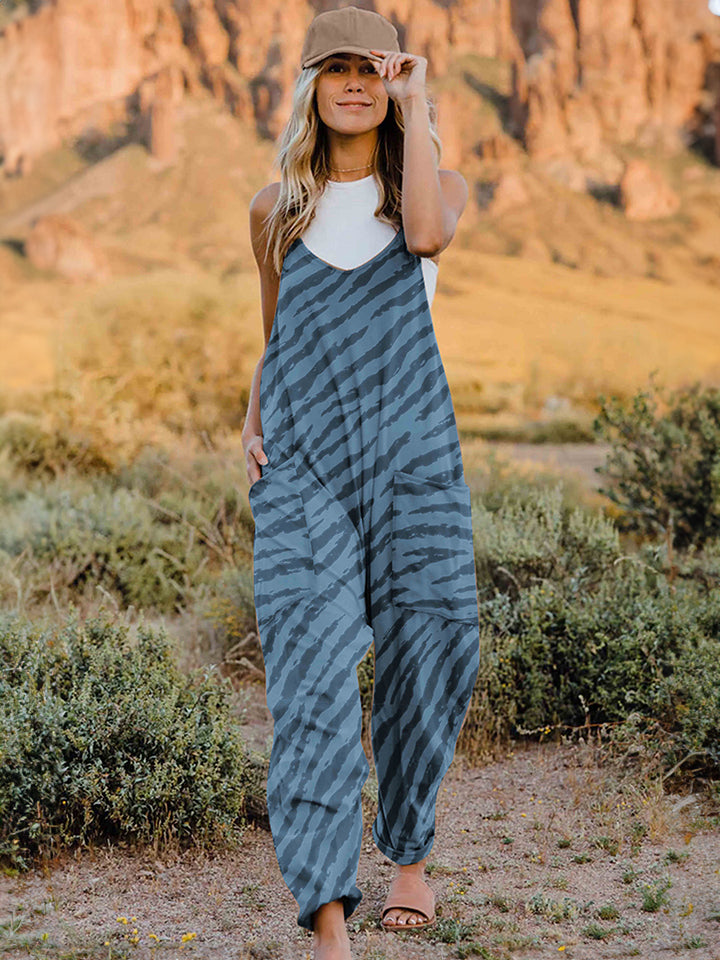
(304,162)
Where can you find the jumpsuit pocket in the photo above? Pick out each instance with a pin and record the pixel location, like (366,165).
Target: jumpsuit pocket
(433,561)
(282,558)
(336,548)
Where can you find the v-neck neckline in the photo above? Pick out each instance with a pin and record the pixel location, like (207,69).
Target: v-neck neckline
(350,269)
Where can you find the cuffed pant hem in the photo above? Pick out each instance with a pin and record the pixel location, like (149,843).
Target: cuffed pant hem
(409,854)
(351,901)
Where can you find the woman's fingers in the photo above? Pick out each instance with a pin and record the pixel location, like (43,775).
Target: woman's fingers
(255,459)
(388,67)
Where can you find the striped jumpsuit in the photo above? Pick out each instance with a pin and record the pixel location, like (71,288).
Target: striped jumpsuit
(363,536)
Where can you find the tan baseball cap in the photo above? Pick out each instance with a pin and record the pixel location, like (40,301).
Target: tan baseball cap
(348,30)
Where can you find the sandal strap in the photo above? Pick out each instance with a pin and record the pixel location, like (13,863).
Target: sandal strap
(410,892)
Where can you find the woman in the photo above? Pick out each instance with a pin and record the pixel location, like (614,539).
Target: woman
(362,515)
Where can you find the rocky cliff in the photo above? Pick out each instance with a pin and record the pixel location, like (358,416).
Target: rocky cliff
(585,73)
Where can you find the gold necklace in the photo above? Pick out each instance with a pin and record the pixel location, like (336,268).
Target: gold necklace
(348,169)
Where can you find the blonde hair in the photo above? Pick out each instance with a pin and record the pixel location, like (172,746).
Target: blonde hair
(304,162)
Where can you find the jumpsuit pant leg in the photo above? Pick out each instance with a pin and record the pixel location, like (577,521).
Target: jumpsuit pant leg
(427,651)
(317,621)
(425,670)
(309,599)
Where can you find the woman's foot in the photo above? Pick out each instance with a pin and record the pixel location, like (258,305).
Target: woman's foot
(402,918)
(330,937)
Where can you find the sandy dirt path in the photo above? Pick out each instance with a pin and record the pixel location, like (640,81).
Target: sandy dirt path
(528,849)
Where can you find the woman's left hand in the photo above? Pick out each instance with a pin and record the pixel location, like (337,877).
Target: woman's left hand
(403,73)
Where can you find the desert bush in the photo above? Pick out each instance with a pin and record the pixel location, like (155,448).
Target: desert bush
(41,446)
(230,607)
(664,467)
(578,634)
(85,537)
(366,681)
(150,534)
(19,4)
(102,737)
(536,536)
(552,431)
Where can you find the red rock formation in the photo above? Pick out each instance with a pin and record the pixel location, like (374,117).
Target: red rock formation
(645,194)
(585,72)
(57,242)
(163,93)
(616,71)
(58,66)
(509,192)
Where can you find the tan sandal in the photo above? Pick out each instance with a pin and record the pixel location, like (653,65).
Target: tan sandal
(408,891)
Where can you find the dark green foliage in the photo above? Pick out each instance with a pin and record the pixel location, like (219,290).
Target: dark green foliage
(573,632)
(366,679)
(664,467)
(554,431)
(104,738)
(532,536)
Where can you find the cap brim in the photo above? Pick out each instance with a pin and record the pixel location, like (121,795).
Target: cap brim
(363,51)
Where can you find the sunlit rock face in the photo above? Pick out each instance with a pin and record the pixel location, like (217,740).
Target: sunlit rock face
(586,73)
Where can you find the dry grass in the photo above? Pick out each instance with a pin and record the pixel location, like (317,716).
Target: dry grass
(513,331)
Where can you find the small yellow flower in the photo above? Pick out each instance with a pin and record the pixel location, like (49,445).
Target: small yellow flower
(107,943)
(561,948)
(188,936)
(121,919)
(153,936)
(523,814)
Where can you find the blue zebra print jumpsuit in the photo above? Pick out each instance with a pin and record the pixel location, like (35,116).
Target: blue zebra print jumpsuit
(362,535)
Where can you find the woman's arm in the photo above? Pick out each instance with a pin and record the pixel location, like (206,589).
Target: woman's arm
(433,199)
(252,435)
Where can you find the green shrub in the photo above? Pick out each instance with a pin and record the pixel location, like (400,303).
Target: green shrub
(366,681)
(552,431)
(572,634)
(537,537)
(102,737)
(665,467)
(43,449)
(150,536)
(105,537)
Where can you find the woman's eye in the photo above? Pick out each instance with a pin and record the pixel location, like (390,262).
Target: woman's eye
(368,67)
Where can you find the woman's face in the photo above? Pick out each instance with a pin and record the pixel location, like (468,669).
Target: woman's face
(346,79)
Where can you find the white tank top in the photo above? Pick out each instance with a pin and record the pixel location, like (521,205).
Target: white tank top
(345,233)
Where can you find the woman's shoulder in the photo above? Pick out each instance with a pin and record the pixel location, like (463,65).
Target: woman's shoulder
(264,200)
